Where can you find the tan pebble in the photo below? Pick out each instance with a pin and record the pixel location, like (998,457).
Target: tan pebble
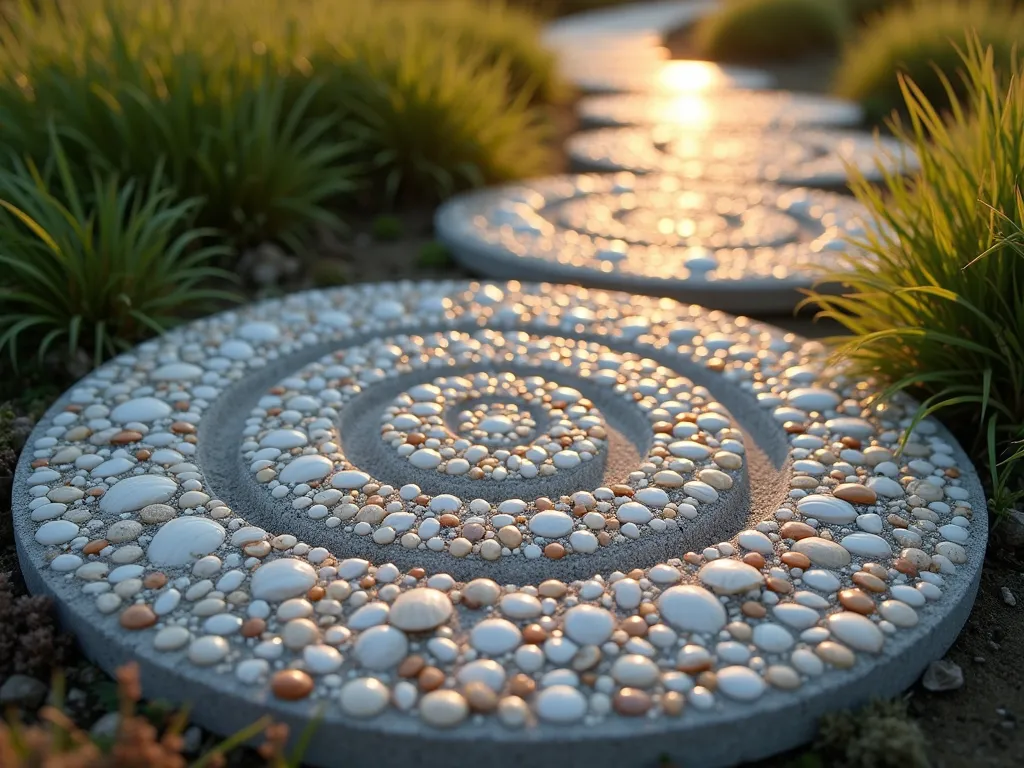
(143,454)
(473,531)
(708,680)
(411,666)
(796,531)
(804,483)
(417,573)
(646,609)
(544,503)
(257,549)
(291,684)
(137,616)
(837,655)
(40,463)
(95,492)
(740,630)
(693,558)
(154,580)
(510,536)
(856,601)
(622,490)
(754,560)
(897,522)
(781,586)
(634,626)
(554,551)
(480,697)
(126,436)
(632,702)
(448,520)
(728,460)
(182,428)
(855,493)
(906,567)
(612,524)
(460,547)
(796,560)
(522,685)
(877,570)
(604,538)
(534,634)
(316,594)
(95,546)
(157,513)
(672,703)
(367,581)
(552,588)
(782,677)
(253,627)
(868,581)
(430,679)
(753,609)
(77,433)
(851,442)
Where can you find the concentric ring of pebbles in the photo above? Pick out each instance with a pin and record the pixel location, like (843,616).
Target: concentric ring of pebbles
(742,248)
(798,157)
(730,109)
(850,568)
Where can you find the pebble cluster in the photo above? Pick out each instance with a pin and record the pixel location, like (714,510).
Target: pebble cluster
(297,450)
(732,109)
(797,157)
(860,550)
(657,228)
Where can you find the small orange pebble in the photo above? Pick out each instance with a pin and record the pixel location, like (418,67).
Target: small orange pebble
(622,490)
(796,560)
(182,428)
(430,679)
(554,551)
(417,572)
(411,666)
(544,503)
(40,463)
(754,609)
(796,531)
(154,580)
(779,586)
(253,627)
(126,436)
(291,684)
(95,492)
(856,601)
(534,634)
(754,560)
(95,546)
(182,405)
(137,616)
(448,520)
(316,594)
(143,454)
(367,581)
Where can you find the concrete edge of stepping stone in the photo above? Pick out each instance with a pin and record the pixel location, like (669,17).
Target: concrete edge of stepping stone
(223,704)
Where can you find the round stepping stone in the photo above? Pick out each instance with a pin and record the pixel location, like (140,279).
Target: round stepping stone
(397,593)
(726,110)
(735,247)
(801,157)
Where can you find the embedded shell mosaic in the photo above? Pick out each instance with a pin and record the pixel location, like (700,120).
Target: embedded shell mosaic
(730,109)
(797,157)
(481,388)
(656,231)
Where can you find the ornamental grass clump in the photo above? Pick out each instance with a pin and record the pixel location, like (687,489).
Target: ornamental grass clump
(919,39)
(97,267)
(937,308)
(765,30)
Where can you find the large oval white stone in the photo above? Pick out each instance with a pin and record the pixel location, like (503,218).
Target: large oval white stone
(419,610)
(183,540)
(134,493)
(306,468)
(551,524)
(730,577)
(144,409)
(858,632)
(282,579)
(588,624)
(692,609)
(350,480)
(827,509)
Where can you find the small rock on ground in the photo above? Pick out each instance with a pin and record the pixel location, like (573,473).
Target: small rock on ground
(1008,596)
(22,691)
(943,675)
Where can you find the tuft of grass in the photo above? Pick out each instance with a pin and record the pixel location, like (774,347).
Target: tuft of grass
(938,309)
(919,39)
(433,255)
(97,266)
(765,30)
(880,735)
(386,227)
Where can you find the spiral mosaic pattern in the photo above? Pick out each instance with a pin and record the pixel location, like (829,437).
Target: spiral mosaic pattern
(749,246)
(666,510)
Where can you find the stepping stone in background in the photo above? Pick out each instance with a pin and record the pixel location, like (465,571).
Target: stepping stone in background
(727,109)
(746,248)
(800,157)
(626,438)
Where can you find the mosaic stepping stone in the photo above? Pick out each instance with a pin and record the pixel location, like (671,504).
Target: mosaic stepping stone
(741,248)
(611,69)
(634,512)
(805,157)
(731,109)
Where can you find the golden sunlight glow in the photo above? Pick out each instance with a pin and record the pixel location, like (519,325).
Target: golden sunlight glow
(690,77)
